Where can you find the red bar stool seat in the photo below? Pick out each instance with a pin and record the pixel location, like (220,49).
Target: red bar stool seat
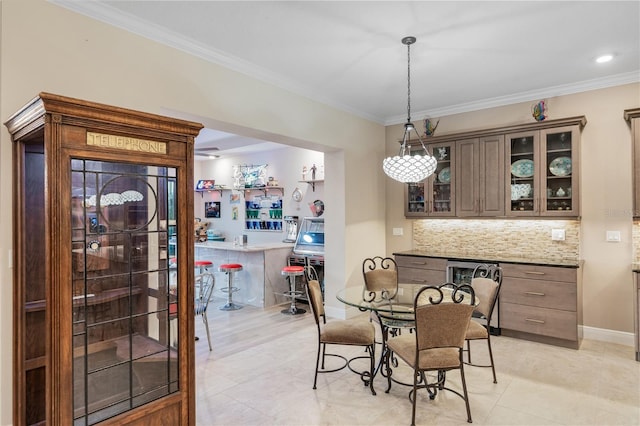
(291,272)
(203,265)
(230,269)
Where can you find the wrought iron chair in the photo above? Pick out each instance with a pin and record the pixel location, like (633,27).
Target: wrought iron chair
(486,282)
(441,321)
(381,285)
(341,332)
(204,284)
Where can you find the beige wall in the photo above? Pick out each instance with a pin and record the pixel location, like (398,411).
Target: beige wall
(606,193)
(47,48)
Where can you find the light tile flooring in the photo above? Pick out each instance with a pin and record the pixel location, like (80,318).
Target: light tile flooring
(260,372)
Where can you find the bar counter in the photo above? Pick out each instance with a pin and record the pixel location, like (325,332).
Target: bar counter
(260,282)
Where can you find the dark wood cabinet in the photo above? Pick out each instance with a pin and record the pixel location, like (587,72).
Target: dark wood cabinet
(102,334)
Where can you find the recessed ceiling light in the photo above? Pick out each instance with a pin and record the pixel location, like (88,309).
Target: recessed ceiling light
(604,58)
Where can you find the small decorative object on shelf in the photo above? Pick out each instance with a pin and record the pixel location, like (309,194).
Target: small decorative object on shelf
(539,110)
(205,184)
(430,127)
(313,172)
(304,172)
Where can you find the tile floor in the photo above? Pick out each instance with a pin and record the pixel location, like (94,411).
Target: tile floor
(269,381)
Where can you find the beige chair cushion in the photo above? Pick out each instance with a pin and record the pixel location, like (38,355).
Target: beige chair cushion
(476,331)
(430,359)
(380,279)
(485,290)
(348,332)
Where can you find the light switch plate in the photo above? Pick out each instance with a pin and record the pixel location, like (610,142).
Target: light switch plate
(613,236)
(398,231)
(557,235)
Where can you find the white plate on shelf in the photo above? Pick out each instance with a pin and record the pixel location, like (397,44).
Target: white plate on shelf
(445,175)
(560,166)
(522,168)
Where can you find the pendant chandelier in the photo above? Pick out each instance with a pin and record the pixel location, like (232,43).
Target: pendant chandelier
(405,167)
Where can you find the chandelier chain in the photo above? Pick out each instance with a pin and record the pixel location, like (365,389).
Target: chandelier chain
(408,83)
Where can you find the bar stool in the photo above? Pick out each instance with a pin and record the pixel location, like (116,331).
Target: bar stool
(230,269)
(203,265)
(291,272)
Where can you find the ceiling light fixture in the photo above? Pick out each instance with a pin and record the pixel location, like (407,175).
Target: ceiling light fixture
(604,58)
(405,167)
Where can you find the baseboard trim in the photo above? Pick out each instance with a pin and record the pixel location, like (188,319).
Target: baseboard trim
(604,335)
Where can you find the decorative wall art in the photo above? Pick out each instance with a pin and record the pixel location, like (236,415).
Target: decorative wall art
(212,209)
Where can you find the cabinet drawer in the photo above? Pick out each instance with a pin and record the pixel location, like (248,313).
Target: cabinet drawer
(420,262)
(421,276)
(537,272)
(542,321)
(544,294)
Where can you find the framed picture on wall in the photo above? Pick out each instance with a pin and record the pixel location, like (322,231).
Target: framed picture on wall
(212,209)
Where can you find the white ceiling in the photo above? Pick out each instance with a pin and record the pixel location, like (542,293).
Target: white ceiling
(347,54)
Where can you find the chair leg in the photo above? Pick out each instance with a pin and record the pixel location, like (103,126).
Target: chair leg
(315,378)
(324,346)
(469,351)
(493,369)
(415,397)
(464,389)
(372,357)
(206,326)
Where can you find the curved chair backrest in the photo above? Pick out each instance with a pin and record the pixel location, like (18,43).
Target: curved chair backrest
(442,316)
(486,282)
(380,274)
(314,294)
(205,282)
(310,273)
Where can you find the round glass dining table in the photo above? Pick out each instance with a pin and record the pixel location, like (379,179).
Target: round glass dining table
(398,308)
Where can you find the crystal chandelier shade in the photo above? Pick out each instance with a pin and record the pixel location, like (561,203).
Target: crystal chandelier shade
(405,167)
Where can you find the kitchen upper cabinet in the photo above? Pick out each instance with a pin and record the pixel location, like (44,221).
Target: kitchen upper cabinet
(543,170)
(434,196)
(480,177)
(527,170)
(633,117)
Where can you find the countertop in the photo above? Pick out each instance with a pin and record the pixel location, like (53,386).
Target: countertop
(223,245)
(567,263)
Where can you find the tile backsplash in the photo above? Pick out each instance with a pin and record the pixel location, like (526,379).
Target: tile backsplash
(493,239)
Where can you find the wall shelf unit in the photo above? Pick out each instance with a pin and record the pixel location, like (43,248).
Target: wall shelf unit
(312,183)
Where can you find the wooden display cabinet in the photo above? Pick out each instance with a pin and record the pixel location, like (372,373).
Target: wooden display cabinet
(95,190)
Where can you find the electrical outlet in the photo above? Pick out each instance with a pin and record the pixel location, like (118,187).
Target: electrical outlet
(613,236)
(398,231)
(400,291)
(557,234)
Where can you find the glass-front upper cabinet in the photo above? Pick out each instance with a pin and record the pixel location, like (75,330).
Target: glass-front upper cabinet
(434,196)
(543,172)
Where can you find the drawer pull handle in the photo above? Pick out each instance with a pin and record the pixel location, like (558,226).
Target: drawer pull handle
(534,320)
(533,293)
(419,263)
(419,281)
(534,273)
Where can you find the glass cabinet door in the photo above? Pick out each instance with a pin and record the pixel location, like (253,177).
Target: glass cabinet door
(522,159)
(124,315)
(434,196)
(558,183)
(442,182)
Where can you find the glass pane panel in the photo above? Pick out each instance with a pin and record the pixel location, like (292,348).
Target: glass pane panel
(442,180)
(522,173)
(124,321)
(559,171)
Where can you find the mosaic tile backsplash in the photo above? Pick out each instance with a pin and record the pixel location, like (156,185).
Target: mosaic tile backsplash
(497,239)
